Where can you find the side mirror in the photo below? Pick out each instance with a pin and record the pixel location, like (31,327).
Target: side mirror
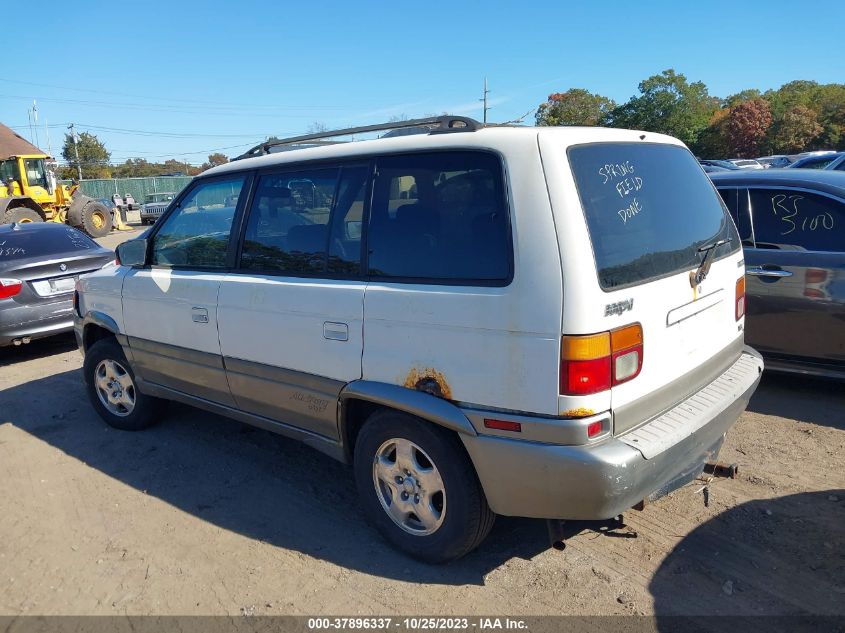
(133,252)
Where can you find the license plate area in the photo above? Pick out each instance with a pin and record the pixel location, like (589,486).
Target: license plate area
(55,286)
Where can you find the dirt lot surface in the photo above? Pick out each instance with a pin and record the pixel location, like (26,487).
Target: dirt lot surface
(202,515)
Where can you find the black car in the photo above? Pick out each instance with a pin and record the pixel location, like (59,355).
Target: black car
(39,265)
(792,226)
(815,161)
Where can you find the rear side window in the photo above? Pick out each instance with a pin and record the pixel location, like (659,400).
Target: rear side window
(736,200)
(288,226)
(440,218)
(649,208)
(25,243)
(790,219)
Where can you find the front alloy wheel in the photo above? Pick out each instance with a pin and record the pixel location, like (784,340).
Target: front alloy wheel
(115,387)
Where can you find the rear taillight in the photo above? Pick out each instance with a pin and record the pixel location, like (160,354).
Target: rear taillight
(10,287)
(594,363)
(739,311)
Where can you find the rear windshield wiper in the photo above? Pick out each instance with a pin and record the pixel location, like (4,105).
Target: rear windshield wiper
(704,268)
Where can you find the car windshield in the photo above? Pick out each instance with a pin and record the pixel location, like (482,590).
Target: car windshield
(159,197)
(26,242)
(649,209)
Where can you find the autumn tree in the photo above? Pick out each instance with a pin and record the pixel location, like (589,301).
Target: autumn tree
(714,140)
(794,132)
(670,104)
(93,157)
(746,127)
(214,160)
(576,106)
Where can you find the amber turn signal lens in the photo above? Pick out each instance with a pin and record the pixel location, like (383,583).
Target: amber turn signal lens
(626,337)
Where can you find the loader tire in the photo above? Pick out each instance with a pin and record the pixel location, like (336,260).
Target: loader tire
(21,215)
(96,220)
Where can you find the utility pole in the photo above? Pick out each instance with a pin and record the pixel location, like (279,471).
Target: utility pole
(484,100)
(76,152)
(35,121)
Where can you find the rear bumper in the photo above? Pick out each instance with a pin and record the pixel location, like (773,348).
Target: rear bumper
(600,481)
(35,320)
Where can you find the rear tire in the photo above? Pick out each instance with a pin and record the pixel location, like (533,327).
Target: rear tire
(22,215)
(96,220)
(111,386)
(406,467)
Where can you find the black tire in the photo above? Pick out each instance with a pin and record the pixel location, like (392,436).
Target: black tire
(96,220)
(467,518)
(22,215)
(146,411)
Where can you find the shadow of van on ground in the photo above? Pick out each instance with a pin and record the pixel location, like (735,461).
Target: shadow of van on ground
(781,558)
(246,480)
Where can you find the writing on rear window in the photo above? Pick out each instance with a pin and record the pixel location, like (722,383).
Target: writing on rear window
(621,177)
(9,251)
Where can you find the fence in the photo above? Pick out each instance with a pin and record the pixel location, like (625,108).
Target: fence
(138,187)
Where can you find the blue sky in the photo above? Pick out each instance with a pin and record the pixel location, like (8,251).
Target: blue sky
(187,77)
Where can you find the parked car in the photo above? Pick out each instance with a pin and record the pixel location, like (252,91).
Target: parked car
(837,164)
(746,163)
(709,165)
(778,160)
(481,320)
(39,265)
(816,161)
(154,205)
(792,225)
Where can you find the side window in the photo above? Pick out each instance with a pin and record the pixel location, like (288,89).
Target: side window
(440,217)
(736,200)
(196,234)
(35,174)
(288,226)
(790,219)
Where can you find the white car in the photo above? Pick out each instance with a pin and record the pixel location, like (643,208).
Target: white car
(746,163)
(537,322)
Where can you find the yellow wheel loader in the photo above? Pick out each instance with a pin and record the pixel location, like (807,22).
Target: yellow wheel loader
(29,192)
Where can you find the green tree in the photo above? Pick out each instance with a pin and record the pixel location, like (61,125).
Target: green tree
(576,106)
(670,104)
(93,157)
(747,126)
(714,140)
(741,96)
(796,130)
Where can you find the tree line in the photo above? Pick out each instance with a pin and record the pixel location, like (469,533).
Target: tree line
(798,116)
(94,159)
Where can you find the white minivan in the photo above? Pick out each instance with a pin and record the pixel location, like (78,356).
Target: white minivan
(481,320)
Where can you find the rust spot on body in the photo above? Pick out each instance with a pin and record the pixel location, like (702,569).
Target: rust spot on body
(580,412)
(428,380)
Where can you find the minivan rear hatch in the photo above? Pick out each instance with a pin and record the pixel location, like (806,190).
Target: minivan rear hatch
(648,219)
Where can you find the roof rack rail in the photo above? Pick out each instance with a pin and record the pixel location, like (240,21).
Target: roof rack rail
(434,125)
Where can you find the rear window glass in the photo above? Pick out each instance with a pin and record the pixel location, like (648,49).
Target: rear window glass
(649,208)
(25,243)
